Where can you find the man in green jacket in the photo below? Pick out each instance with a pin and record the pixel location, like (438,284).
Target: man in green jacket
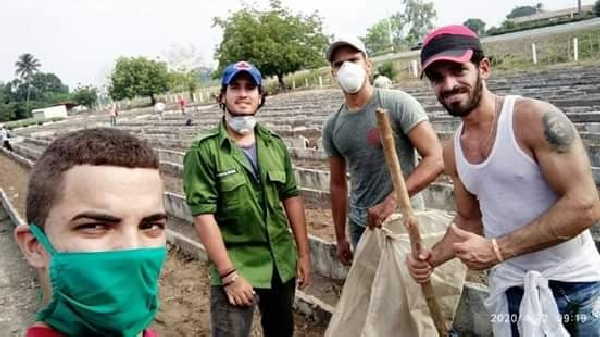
(240,186)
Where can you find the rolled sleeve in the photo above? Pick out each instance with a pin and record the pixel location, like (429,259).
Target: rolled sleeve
(327,137)
(409,113)
(289,188)
(199,183)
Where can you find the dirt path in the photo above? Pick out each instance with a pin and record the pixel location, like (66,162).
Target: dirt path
(13,180)
(19,292)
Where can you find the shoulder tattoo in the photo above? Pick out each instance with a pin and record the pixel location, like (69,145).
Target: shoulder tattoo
(558,130)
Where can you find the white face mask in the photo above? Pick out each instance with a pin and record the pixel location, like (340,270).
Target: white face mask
(240,124)
(351,77)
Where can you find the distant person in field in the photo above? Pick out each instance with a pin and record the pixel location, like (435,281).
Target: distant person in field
(4,135)
(239,184)
(114,113)
(525,198)
(352,142)
(382,82)
(182,104)
(95,235)
(159,108)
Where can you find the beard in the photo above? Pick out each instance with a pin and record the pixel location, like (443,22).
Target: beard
(457,109)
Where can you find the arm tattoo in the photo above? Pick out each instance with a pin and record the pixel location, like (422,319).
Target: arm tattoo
(558,131)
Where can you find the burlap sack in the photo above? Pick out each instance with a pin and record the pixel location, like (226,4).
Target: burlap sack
(380,299)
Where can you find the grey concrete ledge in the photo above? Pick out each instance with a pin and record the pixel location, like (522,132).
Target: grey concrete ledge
(471,318)
(18,158)
(187,246)
(9,210)
(313,308)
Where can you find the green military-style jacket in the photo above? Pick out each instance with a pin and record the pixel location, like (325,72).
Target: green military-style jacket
(218,180)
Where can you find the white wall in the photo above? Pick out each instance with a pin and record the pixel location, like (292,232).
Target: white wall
(50,112)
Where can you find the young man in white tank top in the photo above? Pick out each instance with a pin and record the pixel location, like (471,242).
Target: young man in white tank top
(525,198)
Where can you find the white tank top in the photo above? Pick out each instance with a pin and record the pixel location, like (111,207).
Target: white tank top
(512,192)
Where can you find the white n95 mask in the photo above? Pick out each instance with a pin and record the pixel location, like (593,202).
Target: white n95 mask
(351,77)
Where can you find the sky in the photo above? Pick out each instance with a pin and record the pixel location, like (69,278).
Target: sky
(80,40)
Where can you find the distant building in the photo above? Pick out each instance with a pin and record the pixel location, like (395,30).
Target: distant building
(53,111)
(553,15)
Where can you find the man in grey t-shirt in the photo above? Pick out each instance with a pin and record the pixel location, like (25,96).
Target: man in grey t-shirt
(351,140)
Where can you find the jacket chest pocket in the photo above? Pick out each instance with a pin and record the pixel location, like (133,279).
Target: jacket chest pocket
(276,179)
(232,190)
(276,176)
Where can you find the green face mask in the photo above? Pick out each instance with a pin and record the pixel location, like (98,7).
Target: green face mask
(113,293)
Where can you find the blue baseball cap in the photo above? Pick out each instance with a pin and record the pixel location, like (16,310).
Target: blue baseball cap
(233,70)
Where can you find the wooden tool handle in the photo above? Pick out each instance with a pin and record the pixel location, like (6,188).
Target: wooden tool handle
(391,158)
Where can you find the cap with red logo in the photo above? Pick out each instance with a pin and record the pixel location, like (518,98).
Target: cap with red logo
(233,70)
(451,43)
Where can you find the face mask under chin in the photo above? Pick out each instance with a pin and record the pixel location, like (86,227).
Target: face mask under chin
(241,124)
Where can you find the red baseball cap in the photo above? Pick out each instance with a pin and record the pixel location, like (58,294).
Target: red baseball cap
(451,43)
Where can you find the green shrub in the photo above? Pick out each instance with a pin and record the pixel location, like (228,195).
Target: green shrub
(387,69)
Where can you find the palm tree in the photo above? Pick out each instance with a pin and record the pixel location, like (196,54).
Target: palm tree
(27,65)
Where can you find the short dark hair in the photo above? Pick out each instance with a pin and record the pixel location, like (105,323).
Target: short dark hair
(261,92)
(477,56)
(97,147)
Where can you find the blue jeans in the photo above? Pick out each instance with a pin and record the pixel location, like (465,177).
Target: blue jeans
(356,232)
(578,304)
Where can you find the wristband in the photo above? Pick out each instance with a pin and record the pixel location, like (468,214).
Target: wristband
(227,273)
(232,277)
(497,250)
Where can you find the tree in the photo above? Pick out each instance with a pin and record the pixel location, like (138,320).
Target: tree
(476,25)
(48,82)
(275,40)
(27,65)
(138,76)
(387,69)
(85,95)
(419,17)
(184,81)
(385,34)
(520,11)
(44,85)
(597,8)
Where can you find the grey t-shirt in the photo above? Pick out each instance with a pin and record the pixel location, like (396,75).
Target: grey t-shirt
(353,135)
(250,153)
